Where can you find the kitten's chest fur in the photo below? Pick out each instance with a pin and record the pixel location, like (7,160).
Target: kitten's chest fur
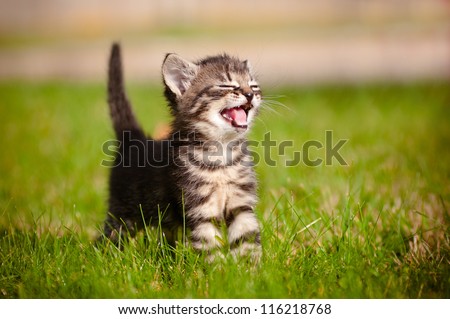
(215,180)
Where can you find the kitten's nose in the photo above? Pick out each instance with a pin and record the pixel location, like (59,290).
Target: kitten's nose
(249,96)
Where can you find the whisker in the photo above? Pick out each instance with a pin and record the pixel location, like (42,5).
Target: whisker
(263,123)
(274,103)
(269,108)
(273,96)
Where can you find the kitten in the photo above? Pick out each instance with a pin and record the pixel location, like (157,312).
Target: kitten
(202,175)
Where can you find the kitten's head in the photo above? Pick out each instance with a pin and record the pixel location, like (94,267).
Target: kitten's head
(217,97)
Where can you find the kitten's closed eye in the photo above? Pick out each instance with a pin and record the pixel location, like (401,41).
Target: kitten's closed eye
(229,86)
(254,87)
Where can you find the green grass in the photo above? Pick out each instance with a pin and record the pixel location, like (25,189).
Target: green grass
(375,228)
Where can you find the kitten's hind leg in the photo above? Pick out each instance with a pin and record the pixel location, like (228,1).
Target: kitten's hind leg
(116,230)
(168,236)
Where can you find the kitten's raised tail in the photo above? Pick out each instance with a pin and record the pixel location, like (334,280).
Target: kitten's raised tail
(120,108)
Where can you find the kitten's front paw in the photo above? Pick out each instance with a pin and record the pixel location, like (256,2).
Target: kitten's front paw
(215,256)
(252,251)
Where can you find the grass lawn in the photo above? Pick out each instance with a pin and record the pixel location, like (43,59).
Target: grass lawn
(377,227)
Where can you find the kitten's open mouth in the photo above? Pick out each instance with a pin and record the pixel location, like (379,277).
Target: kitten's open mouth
(237,116)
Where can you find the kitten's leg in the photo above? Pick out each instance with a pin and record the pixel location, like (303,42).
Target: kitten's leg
(168,236)
(115,229)
(243,233)
(206,237)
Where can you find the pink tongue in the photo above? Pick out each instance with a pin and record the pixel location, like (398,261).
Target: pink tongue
(238,115)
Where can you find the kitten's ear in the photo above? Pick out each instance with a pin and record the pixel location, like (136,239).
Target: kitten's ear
(248,66)
(178,73)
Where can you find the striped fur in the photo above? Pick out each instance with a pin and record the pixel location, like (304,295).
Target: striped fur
(208,180)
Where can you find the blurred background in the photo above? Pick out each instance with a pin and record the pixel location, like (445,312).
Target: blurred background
(287,41)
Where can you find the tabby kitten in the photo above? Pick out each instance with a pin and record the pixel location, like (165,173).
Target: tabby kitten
(202,175)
